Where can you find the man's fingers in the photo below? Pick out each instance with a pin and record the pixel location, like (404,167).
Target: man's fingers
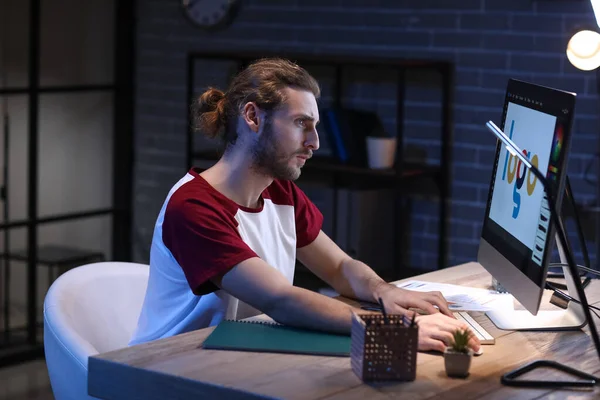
(459,324)
(396,309)
(425,306)
(437,299)
(474,343)
(443,336)
(430,344)
(439,295)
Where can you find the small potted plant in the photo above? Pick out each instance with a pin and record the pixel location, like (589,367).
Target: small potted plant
(457,357)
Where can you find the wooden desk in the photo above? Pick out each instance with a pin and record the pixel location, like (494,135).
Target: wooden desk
(178,368)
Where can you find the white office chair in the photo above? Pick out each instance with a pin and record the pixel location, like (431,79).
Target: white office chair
(89,310)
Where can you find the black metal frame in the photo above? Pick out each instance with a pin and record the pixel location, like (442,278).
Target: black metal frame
(442,175)
(597,206)
(122,88)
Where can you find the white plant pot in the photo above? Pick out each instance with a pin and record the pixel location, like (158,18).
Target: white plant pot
(381,152)
(457,364)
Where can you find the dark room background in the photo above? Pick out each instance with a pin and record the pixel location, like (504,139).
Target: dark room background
(74,124)
(95,98)
(489,41)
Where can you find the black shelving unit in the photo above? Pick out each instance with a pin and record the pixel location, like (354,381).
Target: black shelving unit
(405,178)
(22,344)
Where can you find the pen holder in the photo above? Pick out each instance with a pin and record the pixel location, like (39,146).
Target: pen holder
(383,352)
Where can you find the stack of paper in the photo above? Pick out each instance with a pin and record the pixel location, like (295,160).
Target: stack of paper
(463,298)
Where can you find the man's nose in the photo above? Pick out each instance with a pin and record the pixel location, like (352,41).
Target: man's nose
(312,140)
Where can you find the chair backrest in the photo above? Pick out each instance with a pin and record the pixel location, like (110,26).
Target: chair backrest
(89,310)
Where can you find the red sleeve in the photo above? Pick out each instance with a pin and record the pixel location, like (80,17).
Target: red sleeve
(204,240)
(309,219)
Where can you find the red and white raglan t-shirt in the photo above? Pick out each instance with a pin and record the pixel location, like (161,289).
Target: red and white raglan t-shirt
(200,234)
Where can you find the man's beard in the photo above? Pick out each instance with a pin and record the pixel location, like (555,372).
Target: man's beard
(269,160)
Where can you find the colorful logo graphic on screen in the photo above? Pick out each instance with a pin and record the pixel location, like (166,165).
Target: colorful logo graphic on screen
(557,144)
(515,173)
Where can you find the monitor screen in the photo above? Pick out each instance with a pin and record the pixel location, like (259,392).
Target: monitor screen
(517,223)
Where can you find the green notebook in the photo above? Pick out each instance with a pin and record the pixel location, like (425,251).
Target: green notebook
(269,337)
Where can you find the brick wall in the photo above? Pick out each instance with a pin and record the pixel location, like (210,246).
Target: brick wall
(488,40)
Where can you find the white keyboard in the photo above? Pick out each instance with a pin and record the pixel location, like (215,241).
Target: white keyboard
(483,336)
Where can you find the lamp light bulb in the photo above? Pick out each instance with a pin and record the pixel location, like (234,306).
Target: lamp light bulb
(583,50)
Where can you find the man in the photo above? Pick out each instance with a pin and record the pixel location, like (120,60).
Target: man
(226,240)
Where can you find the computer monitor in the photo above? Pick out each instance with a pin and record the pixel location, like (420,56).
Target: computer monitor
(517,236)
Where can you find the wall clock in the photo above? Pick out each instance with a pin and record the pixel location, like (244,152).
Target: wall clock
(210,14)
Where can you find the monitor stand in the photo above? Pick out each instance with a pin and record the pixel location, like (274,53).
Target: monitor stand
(572,318)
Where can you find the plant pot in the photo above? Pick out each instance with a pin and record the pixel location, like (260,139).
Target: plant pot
(457,364)
(381,152)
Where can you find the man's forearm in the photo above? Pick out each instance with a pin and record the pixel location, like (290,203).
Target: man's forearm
(357,280)
(306,309)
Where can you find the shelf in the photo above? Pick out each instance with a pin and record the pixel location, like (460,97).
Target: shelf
(18,336)
(416,177)
(59,218)
(57,89)
(52,255)
(15,349)
(358,177)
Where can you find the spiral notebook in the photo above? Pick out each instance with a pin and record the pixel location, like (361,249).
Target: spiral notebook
(275,338)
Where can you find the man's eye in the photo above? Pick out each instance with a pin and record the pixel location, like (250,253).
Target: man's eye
(301,122)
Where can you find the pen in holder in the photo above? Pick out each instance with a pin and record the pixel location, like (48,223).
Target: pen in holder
(384,347)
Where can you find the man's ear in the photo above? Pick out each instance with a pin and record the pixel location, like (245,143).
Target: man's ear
(253,116)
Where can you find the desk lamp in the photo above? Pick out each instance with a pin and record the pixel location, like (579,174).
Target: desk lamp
(583,51)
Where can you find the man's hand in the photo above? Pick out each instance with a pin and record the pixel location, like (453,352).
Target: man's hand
(398,301)
(435,332)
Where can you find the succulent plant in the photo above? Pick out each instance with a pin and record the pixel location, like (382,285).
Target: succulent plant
(460,341)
